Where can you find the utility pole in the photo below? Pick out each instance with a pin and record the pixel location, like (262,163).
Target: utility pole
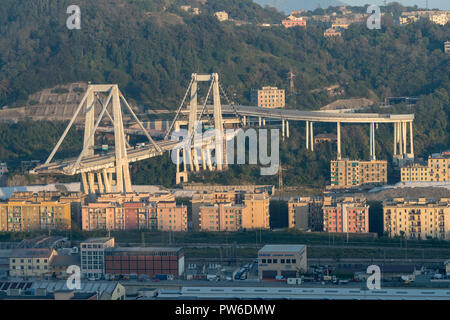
(280,178)
(291,76)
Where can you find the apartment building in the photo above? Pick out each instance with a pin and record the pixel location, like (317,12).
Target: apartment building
(269,97)
(293,21)
(209,198)
(230,211)
(32,262)
(76,200)
(171,217)
(437,169)
(286,260)
(347,173)
(92,255)
(151,213)
(348,215)
(305,213)
(417,218)
(19,216)
(221,217)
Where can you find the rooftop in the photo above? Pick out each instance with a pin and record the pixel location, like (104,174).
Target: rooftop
(283,248)
(31,253)
(65,260)
(145,249)
(97,240)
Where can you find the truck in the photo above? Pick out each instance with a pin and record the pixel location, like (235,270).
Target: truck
(294,281)
(161,277)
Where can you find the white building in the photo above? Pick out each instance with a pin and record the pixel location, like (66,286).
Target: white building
(93,256)
(221,16)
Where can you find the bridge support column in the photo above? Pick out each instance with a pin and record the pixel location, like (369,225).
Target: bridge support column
(372,141)
(244,120)
(411,139)
(395,138)
(283,130)
(84,184)
(312,136)
(107,181)
(208,159)
(287,129)
(100,183)
(264,121)
(203,159)
(399,137)
(404,138)
(259,118)
(91,181)
(218,124)
(338,141)
(307,134)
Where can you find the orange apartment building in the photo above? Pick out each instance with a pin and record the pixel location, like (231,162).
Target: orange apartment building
(347,215)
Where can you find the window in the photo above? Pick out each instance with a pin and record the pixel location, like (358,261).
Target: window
(294,261)
(263,261)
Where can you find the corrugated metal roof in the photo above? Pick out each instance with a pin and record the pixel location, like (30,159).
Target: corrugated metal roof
(282,248)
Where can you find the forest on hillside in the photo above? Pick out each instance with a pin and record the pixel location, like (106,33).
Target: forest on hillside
(151,47)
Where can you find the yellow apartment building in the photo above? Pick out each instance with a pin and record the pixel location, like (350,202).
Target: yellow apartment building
(436,170)
(32,262)
(347,173)
(255,214)
(419,219)
(269,97)
(18,216)
(230,211)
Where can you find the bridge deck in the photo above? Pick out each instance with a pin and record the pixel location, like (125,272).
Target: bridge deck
(104,161)
(316,116)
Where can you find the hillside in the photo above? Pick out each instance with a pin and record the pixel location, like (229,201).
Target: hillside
(133,44)
(287,6)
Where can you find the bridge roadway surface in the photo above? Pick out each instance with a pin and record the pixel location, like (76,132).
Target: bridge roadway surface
(105,161)
(100,162)
(314,116)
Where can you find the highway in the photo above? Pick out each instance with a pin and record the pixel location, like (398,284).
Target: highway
(314,116)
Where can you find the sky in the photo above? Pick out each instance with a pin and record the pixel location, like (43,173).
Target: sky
(440,4)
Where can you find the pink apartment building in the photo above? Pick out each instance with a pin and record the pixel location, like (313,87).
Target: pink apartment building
(346,215)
